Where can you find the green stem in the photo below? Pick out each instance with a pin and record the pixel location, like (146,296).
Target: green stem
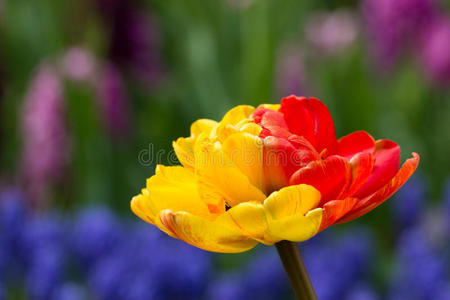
(296,271)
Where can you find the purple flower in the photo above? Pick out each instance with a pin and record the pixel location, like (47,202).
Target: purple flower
(79,64)
(46,144)
(290,71)
(134,40)
(113,102)
(331,33)
(435,54)
(395,25)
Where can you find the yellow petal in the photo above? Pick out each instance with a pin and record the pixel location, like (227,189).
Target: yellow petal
(246,152)
(138,206)
(297,228)
(175,188)
(202,126)
(216,173)
(248,218)
(205,234)
(251,128)
(233,117)
(237,114)
(292,200)
(184,149)
(275,107)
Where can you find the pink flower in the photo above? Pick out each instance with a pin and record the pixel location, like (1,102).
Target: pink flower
(46,143)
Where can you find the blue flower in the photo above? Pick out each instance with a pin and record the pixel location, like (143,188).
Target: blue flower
(419,271)
(46,231)
(12,216)
(335,262)
(96,232)
(147,265)
(2,292)
(361,291)
(265,277)
(408,206)
(45,272)
(69,291)
(228,286)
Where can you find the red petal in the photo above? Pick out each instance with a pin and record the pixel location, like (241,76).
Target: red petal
(362,165)
(275,124)
(279,162)
(311,119)
(367,204)
(258,114)
(387,161)
(334,210)
(358,141)
(330,176)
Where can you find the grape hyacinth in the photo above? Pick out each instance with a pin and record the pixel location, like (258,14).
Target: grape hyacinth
(96,254)
(409,204)
(419,273)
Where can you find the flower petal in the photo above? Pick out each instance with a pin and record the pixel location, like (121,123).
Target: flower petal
(367,204)
(237,114)
(362,166)
(246,152)
(310,118)
(247,218)
(217,174)
(330,176)
(184,149)
(205,234)
(202,126)
(138,206)
(275,107)
(175,188)
(292,200)
(356,142)
(387,161)
(272,122)
(334,210)
(296,228)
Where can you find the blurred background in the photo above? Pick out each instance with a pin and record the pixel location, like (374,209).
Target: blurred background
(93,92)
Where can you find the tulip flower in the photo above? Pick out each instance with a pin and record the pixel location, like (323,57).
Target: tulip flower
(276,174)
